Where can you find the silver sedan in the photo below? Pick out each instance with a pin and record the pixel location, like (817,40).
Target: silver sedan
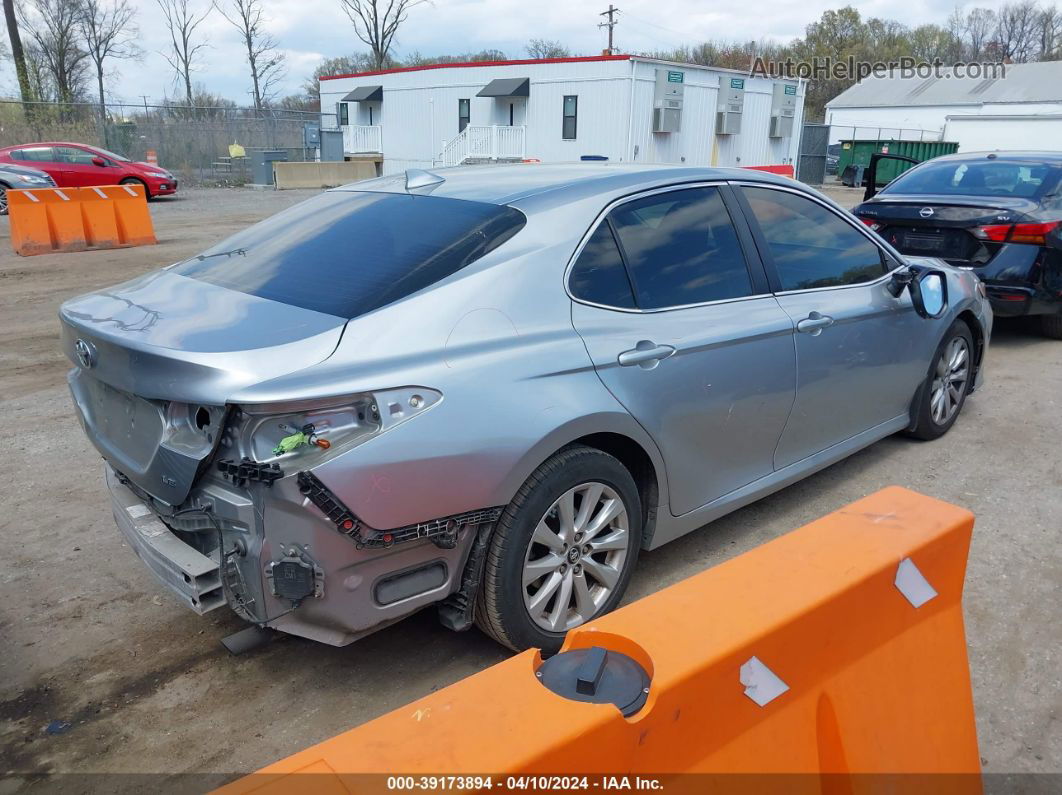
(489,388)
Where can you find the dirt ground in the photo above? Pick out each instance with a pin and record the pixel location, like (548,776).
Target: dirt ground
(102,671)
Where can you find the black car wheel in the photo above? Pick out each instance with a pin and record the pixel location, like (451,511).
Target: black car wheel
(563,550)
(947,384)
(3,199)
(1051,326)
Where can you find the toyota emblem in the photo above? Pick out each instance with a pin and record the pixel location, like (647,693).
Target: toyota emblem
(86,353)
(926,212)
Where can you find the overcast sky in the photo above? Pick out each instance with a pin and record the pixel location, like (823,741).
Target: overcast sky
(310,30)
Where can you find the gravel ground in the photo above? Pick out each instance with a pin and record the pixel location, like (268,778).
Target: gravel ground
(131,682)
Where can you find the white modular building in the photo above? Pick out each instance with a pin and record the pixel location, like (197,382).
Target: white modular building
(1019,109)
(615,107)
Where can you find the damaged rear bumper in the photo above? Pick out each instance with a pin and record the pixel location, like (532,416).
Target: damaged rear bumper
(192,576)
(286,565)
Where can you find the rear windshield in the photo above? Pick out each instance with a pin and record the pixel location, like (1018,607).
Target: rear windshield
(1022,179)
(346,253)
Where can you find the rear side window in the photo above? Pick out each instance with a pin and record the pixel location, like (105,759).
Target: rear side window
(681,248)
(812,246)
(35,154)
(598,276)
(346,253)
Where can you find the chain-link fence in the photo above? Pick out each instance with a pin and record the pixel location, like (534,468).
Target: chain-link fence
(193,142)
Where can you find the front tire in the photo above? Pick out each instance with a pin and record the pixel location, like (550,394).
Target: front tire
(947,384)
(563,551)
(141,183)
(3,199)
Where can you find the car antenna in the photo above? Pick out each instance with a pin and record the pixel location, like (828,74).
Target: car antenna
(419,178)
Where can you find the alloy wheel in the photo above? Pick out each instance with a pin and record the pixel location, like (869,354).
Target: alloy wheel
(949,381)
(3,201)
(575,557)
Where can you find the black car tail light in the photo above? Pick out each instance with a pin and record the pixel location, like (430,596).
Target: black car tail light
(1034,234)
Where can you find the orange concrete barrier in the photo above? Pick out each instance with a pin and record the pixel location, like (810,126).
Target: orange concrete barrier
(48,220)
(830,660)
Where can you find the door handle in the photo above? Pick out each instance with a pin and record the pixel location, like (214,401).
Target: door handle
(646,354)
(814,323)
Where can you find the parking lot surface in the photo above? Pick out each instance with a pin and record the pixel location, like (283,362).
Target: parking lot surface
(103,671)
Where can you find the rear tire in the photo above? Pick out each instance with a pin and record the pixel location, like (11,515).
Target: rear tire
(550,567)
(1051,326)
(947,384)
(3,199)
(141,183)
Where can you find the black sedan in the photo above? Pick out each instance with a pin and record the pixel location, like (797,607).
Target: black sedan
(999,214)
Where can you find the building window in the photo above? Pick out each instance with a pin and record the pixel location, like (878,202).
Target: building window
(464,112)
(571,105)
(341,112)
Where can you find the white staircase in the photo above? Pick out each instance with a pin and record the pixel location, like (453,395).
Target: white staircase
(481,143)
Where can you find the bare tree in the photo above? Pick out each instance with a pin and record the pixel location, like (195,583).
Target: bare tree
(377,21)
(1016,36)
(109,34)
(978,29)
(17,53)
(546,48)
(265,60)
(182,22)
(1049,31)
(53,26)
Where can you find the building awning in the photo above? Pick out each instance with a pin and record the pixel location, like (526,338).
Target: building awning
(365,94)
(507,87)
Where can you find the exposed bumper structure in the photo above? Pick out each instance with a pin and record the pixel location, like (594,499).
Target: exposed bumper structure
(191,575)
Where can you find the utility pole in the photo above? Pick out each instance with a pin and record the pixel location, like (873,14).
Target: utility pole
(612,22)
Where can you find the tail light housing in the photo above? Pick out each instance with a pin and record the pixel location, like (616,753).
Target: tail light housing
(1033,234)
(870,222)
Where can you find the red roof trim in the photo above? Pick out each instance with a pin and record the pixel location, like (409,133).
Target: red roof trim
(524,62)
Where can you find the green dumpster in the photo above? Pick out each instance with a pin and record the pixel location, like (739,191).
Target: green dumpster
(858,152)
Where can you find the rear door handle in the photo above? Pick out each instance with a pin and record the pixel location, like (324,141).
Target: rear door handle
(646,354)
(814,323)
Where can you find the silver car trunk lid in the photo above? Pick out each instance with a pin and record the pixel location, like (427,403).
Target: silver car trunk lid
(157,358)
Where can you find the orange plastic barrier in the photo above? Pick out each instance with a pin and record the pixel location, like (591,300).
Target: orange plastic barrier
(47,220)
(828,660)
(785,171)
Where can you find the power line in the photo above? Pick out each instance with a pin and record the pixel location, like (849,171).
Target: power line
(612,22)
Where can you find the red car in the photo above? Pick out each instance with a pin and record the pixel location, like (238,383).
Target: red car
(82,166)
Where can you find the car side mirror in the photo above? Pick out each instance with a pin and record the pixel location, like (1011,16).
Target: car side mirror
(929,289)
(99,161)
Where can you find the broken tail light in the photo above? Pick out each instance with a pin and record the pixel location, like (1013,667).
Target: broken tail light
(311,431)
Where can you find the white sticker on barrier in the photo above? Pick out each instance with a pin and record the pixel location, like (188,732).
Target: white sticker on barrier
(912,584)
(100,193)
(32,197)
(762,685)
(61,195)
(129,190)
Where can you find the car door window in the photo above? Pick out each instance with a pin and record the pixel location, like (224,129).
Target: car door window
(681,248)
(75,156)
(599,276)
(37,154)
(812,246)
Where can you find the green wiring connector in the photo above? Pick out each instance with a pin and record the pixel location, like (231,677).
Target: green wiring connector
(289,443)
